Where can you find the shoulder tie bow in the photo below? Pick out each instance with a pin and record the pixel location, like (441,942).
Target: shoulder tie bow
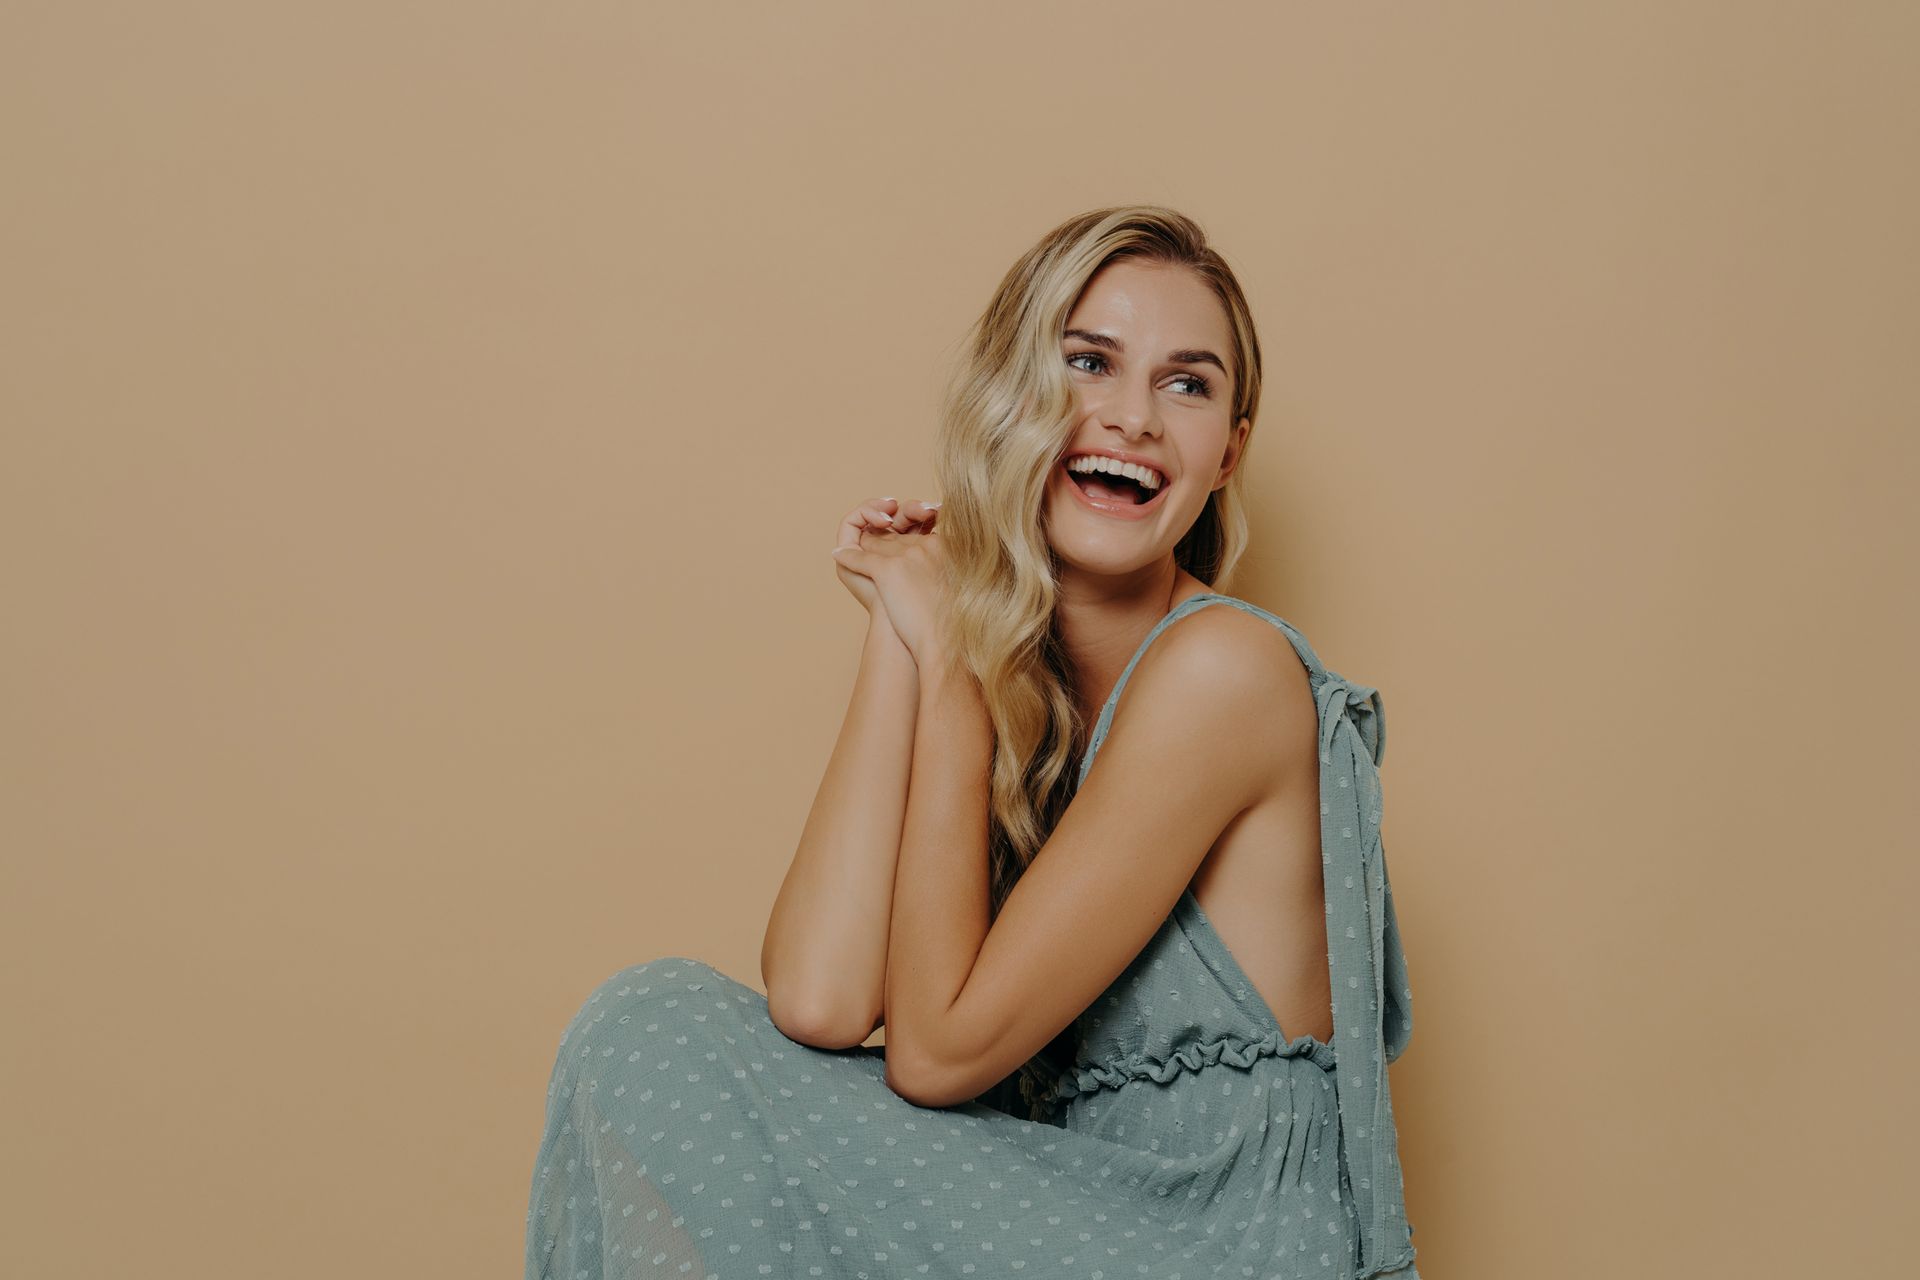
(1361,706)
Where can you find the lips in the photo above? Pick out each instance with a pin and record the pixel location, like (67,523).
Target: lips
(1116,510)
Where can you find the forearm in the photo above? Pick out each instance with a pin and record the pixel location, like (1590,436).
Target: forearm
(941,896)
(824,957)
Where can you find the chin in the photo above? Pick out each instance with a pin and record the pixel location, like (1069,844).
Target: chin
(1110,556)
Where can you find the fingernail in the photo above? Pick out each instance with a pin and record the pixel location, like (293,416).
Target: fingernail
(932,505)
(888,498)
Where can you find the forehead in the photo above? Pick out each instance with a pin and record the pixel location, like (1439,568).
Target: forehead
(1152,304)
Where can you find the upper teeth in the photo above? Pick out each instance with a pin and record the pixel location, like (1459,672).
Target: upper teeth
(1147,476)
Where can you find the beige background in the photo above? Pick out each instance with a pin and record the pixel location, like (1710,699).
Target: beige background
(424,431)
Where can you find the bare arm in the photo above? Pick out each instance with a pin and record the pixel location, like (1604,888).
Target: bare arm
(1199,736)
(824,958)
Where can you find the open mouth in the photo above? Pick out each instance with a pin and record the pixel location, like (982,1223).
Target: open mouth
(1108,487)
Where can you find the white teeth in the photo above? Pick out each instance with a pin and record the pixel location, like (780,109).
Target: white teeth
(1147,476)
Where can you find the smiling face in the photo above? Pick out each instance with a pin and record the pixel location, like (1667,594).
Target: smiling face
(1150,355)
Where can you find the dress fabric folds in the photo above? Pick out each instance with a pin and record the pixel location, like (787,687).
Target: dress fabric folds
(1192,1137)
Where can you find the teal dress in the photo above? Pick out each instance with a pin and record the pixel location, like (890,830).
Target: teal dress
(1192,1137)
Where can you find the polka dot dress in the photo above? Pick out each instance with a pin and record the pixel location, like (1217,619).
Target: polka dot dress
(686,1136)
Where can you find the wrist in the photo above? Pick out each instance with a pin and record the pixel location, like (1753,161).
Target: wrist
(884,643)
(941,673)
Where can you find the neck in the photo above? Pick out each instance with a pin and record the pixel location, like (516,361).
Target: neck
(1101,622)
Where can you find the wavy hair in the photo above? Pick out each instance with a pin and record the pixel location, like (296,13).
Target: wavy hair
(1007,417)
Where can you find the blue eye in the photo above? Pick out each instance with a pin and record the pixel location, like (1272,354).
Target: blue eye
(1205,388)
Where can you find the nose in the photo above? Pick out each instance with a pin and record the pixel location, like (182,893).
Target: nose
(1130,406)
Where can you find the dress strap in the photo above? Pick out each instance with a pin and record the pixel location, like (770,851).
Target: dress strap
(1104,723)
(1367,967)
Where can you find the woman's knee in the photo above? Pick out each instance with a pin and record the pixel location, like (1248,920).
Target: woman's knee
(667,978)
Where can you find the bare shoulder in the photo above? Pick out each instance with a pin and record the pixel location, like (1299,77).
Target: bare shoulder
(1233,673)
(1223,647)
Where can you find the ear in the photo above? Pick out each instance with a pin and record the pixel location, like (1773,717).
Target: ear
(1236,447)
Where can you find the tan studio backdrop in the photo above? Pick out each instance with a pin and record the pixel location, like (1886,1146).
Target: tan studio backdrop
(425,426)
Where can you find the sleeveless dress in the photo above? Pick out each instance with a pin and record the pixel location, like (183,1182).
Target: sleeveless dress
(1192,1137)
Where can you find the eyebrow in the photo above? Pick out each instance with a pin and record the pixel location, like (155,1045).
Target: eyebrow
(1185,355)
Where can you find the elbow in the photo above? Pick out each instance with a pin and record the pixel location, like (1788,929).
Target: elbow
(818,1023)
(924,1083)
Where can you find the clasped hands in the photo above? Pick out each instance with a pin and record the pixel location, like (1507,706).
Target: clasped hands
(889,555)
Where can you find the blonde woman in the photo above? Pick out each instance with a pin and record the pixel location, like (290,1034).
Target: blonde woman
(1104,861)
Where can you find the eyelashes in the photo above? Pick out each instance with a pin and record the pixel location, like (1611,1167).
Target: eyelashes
(1206,388)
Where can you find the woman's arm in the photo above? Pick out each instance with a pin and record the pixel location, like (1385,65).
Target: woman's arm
(824,958)
(1202,732)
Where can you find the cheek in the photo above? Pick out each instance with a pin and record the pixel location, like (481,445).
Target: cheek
(1202,463)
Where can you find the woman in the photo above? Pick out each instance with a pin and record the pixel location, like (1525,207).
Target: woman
(1080,1076)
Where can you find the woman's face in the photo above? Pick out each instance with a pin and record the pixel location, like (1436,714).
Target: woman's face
(1148,350)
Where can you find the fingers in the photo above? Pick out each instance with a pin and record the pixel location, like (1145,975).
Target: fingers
(889,515)
(872,514)
(853,558)
(918,515)
(880,513)
(910,516)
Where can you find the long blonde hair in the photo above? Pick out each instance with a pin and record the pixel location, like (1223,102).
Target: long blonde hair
(1006,418)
